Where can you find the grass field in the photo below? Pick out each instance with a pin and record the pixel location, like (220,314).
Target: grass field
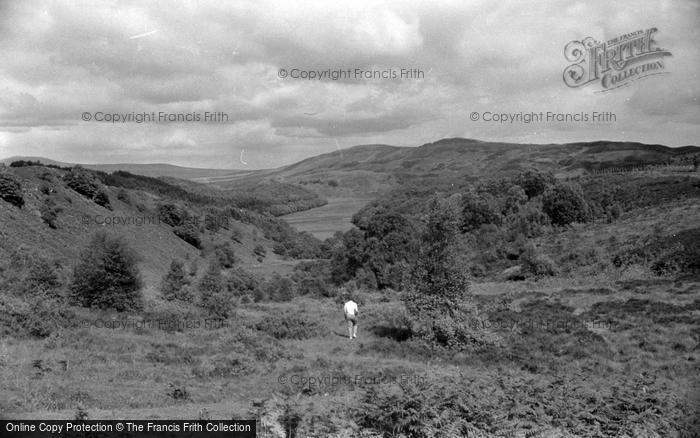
(324,221)
(634,368)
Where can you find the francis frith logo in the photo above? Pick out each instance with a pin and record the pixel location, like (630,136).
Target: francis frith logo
(616,62)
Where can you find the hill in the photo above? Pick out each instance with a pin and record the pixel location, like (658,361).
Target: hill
(57,210)
(149,169)
(368,170)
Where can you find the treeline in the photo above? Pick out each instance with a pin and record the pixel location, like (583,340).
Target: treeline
(496,220)
(274,197)
(185,211)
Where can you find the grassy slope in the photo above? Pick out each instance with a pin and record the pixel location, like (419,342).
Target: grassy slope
(636,372)
(154,242)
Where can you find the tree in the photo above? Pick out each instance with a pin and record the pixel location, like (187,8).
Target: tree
(82,182)
(534,182)
(514,200)
(107,275)
(189,232)
(175,282)
(437,284)
(225,255)
(479,209)
(214,298)
(564,204)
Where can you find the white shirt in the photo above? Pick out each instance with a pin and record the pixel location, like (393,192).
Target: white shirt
(350,308)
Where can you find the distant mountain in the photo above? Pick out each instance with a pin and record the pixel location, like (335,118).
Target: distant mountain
(152,169)
(368,170)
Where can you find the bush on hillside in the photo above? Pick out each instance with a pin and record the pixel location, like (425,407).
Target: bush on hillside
(437,285)
(11,190)
(171,214)
(277,289)
(259,251)
(479,209)
(534,182)
(123,196)
(515,197)
(189,232)
(43,277)
(564,204)
(174,285)
(289,326)
(240,282)
(530,221)
(224,255)
(49,211)
(535,263)
(102,199)
(214,298)
(82,182)
(34,317)
(107,275)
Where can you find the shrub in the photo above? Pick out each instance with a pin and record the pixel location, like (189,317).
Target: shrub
(188,232)
(175,282)
(365,278)
(241,283)
(36,317)
(278,288)
(213,297)
(479,209)
(259,251)
(529,221)
(214,220)
(82,182)
(289,326)
(224,255)
(535,263)
(49,212)
(123,196)
(43,277)
(314,286)
(107,275)
(613,212)
(171,214)
(11,190)
(425,409)
(534,182)
(102,199)
(192,271)
(515,197)
(565,204)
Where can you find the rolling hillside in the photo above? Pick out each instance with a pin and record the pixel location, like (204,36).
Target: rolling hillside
(43,212)
(347,179)
(368,170)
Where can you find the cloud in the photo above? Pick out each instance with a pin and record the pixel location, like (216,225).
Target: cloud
(62,58)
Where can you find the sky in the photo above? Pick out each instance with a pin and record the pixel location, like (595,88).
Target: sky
(67,66)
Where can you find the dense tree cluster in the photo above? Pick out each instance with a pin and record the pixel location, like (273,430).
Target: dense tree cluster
(107,275)
(380,248)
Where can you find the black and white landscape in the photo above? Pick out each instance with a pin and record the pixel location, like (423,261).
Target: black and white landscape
(191,191)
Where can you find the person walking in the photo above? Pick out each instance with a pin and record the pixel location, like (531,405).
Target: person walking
(350,311)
